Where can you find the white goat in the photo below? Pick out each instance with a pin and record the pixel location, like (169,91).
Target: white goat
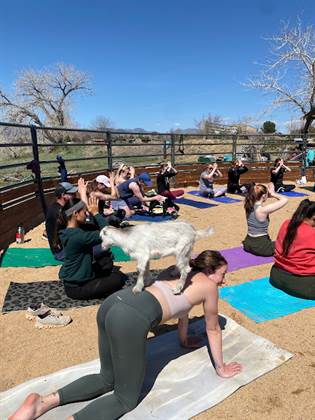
(145,241)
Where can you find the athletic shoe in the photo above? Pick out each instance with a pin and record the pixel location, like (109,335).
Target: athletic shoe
(50,320)
(280,190)
(35,310)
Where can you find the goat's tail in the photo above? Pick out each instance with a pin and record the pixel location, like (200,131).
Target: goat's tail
(204,232)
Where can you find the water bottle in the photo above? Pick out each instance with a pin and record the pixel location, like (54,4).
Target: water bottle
(19,236)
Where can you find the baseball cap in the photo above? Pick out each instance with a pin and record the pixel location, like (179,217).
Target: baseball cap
(65,188)
(103,179)
(145,177)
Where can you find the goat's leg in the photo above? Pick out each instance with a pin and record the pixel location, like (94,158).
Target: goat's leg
(142,267)
(184,269)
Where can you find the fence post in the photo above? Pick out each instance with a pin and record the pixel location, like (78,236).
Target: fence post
(38,178)
(173,138)
(109,150)
(234,145)
(304,153)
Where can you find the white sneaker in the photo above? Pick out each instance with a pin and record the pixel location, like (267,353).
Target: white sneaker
(38,310)
(50,320)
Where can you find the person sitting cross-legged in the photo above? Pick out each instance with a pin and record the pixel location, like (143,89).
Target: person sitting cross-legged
(87,271)
(206,181)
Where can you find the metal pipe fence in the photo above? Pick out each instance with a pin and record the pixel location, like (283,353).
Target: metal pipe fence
(88,150)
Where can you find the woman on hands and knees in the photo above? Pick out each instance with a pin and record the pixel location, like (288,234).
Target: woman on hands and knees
(124,320)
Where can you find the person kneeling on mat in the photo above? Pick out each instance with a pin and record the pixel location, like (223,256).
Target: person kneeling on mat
(124,320)
(294,267)
(257,241)
(87,271)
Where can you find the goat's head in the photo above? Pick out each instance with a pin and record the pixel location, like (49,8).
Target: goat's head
(107,239)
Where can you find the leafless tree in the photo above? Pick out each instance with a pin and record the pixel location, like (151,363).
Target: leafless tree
(289,74)
(44,97)
(102,123)
(208,123)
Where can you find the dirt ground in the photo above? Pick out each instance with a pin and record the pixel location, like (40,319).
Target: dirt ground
(284,393)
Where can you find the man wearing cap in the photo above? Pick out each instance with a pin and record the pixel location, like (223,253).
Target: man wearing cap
(63,192)
(132,191)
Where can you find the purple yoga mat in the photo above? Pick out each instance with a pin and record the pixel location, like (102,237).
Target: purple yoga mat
(237,258)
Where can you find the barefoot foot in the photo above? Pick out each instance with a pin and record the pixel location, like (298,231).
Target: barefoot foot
(34,406)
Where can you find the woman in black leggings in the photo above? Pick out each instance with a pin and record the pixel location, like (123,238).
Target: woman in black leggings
(124,320)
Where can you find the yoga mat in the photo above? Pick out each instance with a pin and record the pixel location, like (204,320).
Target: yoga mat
(193,203)
(294,194)
(179,383)
(311,189)
(152,219)
(261,302)
(223,199)
(237,258)
(42,257)
(19,296)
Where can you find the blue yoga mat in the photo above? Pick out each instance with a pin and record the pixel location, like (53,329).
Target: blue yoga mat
(193,203)
(223,199)
(140,218)
(261,302)
(294,194)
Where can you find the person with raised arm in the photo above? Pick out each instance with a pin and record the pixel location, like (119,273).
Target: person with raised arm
(258,241)
(277,173)
(206,181)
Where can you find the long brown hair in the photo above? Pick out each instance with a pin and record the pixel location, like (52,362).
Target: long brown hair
(305,210)
(256,191)
(208,261)
(62,221)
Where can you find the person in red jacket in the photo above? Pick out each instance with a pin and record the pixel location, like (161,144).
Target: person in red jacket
(294,268)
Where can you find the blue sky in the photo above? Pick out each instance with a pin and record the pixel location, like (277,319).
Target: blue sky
(152,64)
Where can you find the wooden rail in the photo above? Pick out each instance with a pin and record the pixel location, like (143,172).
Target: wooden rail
(21,204)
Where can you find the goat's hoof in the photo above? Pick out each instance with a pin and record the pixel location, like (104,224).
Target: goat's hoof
(177,289)
(136,289)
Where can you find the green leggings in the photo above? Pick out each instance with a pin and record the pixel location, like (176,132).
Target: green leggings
(124,320)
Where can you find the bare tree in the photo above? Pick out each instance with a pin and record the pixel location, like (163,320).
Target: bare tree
(289,74)
(44,97)
(209,123)
(102,123)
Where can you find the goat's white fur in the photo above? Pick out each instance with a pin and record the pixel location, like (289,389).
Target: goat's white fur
(145,241)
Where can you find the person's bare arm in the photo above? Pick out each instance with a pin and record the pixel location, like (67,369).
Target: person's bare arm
(137,193)
(187,341)
(263,211)
(82,190)
(286,168)
(132,172)
(214,334)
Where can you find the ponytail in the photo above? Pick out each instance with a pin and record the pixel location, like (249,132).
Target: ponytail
(254,194)
(62,221)
(305,209)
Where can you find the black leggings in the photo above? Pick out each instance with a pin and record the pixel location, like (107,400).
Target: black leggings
(298,286)
(284,187)
(98,288)
(124,320)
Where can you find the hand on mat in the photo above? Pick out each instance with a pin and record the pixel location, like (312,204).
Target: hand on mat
(229,370)
(192,342)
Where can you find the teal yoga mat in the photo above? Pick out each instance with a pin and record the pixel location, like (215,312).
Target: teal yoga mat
(42,257)
(261,302)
